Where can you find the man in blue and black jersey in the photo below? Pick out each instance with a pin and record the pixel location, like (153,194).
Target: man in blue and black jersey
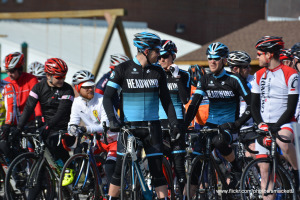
(179,86)
(143,85)
(223,90)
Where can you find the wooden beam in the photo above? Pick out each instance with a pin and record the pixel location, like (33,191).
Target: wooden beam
(63,14)
(123,37)
(104,46)
(3,35)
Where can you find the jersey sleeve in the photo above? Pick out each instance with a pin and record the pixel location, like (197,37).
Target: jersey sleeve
(38,109)
(101,85)
(292,84)
(201,86)
(10,104)
(74,117)
(116,78)
(255,84)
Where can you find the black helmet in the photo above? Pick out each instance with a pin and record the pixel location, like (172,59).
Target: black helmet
(168,46)
(270,44)
(295,50)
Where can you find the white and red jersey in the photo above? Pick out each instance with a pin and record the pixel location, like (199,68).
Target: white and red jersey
(274,86)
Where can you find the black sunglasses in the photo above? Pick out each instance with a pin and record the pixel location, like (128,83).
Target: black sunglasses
(216,59)
(164,56)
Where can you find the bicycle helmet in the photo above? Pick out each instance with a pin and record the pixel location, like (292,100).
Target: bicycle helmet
(216,50)
(285,54)
(56,66)
(117,59)
(14,61)
(82,78)
(196,72)
(270,44)
(168,46)
(238,58)
(145,40)
(37,69)
(295,50)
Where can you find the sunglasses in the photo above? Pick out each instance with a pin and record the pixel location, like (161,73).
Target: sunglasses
(164,56)
(59,77)
(10,70)
(259,54)
(216,59)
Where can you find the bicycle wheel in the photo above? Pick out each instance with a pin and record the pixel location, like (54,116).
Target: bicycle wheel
(128,190)
(167,170)
(17,184)
(204,174)
(85,184)
(251,180)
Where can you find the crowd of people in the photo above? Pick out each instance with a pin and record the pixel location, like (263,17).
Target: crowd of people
(150,90)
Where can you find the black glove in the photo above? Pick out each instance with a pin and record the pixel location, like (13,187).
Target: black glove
(230,126)
(44,131)
(5,129)
(114,125)
(176,132)
(15,134)
(274,129)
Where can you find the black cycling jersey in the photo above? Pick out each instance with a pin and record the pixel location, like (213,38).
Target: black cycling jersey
(179,91)
(55,102)
(224,93)
(141,88)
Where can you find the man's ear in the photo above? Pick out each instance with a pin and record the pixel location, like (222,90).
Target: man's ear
(146,52)
(224,61)
(174,56)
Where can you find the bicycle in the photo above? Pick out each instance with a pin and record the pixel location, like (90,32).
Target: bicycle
(212,179)
(87,182)
(135,179)
(251,179)
(33,175)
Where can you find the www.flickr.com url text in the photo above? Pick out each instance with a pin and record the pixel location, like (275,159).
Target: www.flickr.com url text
(254,191)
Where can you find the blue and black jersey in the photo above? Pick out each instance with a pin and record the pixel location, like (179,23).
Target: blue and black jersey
(223,92)
(142,88)
(180,93)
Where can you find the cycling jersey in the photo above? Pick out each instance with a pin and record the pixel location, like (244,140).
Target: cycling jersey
(55,102)
(274,87)
(8,104)
(179,91)
(100,88)
(243,104)
(142,88)
(22,86)
(223,92)
(92,113)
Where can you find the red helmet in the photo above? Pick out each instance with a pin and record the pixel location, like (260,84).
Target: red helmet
(56,66)
(14,60)
(270,44)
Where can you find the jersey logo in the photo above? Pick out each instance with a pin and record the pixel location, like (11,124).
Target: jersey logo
(172,86)
(223,83)
(134,71)
(294,84)
(95,112)
(211,83)
(112,75)
(142,83)
(219,94)
(148,71)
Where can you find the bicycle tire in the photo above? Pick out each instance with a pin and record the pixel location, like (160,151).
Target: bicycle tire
(250,181)
(16,180)
(85,181)
(128,191)
(210,187)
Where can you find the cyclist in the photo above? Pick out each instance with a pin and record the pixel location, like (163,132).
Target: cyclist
(56,98)
(143,84)
(179,87)
(38,70)
(196,72)
(274,99)
(286,57)
(88,107)
(223,90)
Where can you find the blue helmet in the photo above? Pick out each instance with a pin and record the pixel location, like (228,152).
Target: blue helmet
(216,50)
(146,40)
(168,46)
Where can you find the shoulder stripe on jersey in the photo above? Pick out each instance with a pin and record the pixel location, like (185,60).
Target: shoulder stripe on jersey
(288,72)
(200,92)
(33,94)
(114,85)
(69,97)
(189,79)
(239,81)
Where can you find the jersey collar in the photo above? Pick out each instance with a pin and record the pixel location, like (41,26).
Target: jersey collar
(276,68)
(136,61)
(221,74)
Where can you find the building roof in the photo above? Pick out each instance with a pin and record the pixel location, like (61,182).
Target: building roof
(246,38)
(76,41)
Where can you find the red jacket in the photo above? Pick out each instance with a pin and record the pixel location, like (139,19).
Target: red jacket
(23,86)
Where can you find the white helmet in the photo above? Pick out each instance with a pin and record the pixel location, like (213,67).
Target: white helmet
(117,59)
(238,58)
(37,69)
(82,76)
